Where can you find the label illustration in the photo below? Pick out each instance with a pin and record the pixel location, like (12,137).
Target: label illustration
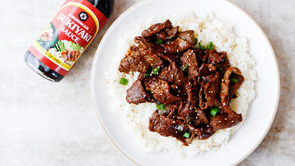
(67,36)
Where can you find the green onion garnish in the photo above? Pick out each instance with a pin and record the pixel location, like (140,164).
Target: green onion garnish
(146,75)
(156,70)
(196,41)
(235,80)
(184,68)
(201,47)
(214,111)
(169,38)
(160,106)
(187,134)
(210,46)
(159,41)
(123,81)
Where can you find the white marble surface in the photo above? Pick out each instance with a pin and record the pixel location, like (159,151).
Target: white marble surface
(44,123)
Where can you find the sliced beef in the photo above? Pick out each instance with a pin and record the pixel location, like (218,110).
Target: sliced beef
(168,57)
(188,36)
(223,121)
(189,59)
(162,35)
(173,75)
(133,63)
(214,57)
(172,110)
(136,93)
(141,58)
(144,44)
(228,87)
(209,92)
(172,32)
(156,28)
(160,90)
(169,128)
(152,59)
(188,111)
(201,116)
(204,70)
(202,132)
(176,46)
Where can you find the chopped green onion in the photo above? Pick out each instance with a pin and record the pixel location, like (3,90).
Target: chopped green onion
(235,80)
(184,68)
(160,106)
(159,41)
(214,111)
(156,70)
(123,81)
(210,46)
(196,41)
(187,134)
(146,75)
(201,47)
(169,38)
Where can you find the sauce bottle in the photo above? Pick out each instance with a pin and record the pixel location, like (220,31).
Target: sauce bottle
(66,37)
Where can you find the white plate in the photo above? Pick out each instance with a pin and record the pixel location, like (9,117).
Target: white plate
(260,115)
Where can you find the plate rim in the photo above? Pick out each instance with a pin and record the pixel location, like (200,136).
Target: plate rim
(272,53)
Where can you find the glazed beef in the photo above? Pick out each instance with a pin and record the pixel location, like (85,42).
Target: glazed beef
(185,81)
(169,128)
(209,93)
(188,36)
(229,85)
(154,29)
(189,59)
(152,59)
(173,75)
(133,63)
(136,93)
(161,91)
(176,46)
(223,121)
(172,32)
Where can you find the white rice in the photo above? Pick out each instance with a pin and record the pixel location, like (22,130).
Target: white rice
(135,118)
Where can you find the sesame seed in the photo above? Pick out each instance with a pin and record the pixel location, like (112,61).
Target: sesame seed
(219,121)
(225,119)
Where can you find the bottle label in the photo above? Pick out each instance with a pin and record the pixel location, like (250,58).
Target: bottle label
(68,35)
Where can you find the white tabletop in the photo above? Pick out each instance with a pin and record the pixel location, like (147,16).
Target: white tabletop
(45,123)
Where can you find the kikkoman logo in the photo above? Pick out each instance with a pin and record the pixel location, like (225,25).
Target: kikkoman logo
(83,16)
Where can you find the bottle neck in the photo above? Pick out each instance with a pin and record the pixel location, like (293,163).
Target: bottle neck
(104,6)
